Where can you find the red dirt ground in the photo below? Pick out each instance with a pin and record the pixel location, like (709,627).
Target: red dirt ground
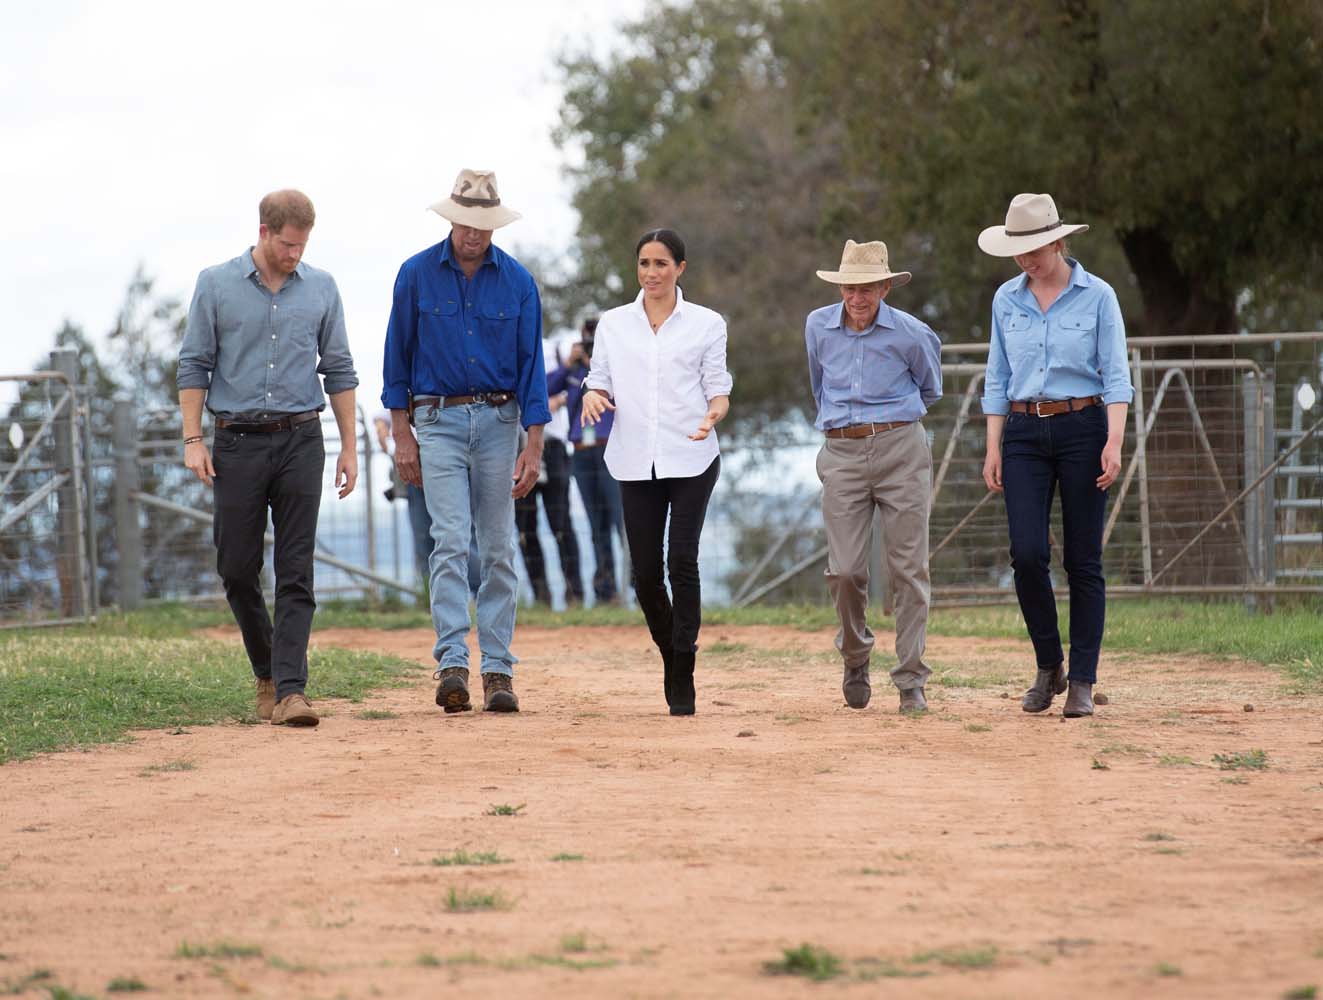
(975,852)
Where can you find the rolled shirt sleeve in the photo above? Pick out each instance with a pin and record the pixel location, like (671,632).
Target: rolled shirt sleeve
(599,376)
(337,364)
(1112,361)
(197,353)
(998,373)
(713,375)
(926,367)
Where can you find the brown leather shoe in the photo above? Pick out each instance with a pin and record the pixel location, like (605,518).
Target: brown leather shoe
(498,694)
(1079,700)
(294,710)
(266,697)
(912,702)
(1049,683)
(452,693)
(855,686)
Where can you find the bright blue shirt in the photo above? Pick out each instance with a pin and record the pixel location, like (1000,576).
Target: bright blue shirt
(891,371)
(259,354)
(450,335)
(570,381)
(1075,349)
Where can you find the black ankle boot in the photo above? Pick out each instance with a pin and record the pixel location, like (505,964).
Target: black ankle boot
(682,683)
(668,676)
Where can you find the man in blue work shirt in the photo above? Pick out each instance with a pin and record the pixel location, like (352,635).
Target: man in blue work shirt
(464,366)
(874,371)
(260,330)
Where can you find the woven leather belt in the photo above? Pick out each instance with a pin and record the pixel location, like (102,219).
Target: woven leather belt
(1050,408)
(866,430)
(498,398)
(286,423)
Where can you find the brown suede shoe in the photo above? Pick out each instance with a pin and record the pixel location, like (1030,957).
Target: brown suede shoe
(1079,700)
(855,686)
(452,693)
(266,697)
(912,702)
(498,694)
(294,710)
(1049,683)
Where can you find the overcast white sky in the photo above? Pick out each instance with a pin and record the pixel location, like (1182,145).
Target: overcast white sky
(140,131)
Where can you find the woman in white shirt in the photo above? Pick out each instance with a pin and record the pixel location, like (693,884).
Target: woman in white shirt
(660,364)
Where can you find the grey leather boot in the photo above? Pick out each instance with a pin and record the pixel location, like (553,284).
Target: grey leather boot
(1049,683)
(1079,700)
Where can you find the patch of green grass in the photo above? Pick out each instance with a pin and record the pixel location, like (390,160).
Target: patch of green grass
(463,857)
(376,714)
(959,958)
(276,962)
(1244,760)
(951,679)
(427,960)
(1124,748)
(1157,836)
(1176,760)
(578,964)
(167,767)
(126,984)
(789,719)
(566,856)
(719,648)
(577,942)
(473,900)
(92,684)
(23,984)
(1169,850)
(870,969)
(506,810)
(1235,779)
(808,961)
(1098,765)
(1301,993)
(57,992)
(1167,969)
(977,727)
(221,949)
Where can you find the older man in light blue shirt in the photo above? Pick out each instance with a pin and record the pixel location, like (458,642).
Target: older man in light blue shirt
(875,371)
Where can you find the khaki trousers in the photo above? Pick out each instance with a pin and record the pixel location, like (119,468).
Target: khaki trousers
(893,472)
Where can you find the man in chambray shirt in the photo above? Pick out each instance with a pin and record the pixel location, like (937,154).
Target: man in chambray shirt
(875,371)
(463,368)
(261,329)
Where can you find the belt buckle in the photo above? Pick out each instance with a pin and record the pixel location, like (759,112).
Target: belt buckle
(1038,409)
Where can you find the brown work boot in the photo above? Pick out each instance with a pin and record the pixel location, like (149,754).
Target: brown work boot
(294,710)
(1079,700)
(855,686)
(1049,683)
(498,694)
(266,698)
(452,693)
(912,702)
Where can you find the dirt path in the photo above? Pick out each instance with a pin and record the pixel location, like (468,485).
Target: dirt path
(977,852)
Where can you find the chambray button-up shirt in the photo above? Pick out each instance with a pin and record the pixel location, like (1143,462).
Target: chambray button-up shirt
(450,335)
(889,372)
(257,354)
(1075,349)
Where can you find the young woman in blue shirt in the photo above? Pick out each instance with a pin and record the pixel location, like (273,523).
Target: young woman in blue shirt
(1055,394)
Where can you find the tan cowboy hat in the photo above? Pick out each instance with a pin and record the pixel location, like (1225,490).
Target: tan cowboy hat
(475,202)
(862,264)
(1032,221)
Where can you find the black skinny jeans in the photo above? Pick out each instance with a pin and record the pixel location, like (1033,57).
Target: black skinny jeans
(281,471)
(646,502)
(555,494)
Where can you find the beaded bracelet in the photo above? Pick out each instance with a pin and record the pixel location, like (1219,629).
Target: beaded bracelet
(190,440)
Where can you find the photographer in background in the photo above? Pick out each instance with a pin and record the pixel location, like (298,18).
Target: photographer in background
(600,492)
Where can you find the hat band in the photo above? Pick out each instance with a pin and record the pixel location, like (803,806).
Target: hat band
(468,202)
(1035,232)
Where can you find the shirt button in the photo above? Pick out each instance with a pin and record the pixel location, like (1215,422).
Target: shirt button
(273,336)
(268,394)
(271,366)
(274,306)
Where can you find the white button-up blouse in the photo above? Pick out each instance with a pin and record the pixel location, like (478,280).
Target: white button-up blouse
(660,384)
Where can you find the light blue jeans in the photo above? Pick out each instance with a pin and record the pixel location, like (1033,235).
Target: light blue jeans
(468,455)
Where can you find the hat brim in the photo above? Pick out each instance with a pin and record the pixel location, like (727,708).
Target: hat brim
(994,241)
(475,217)
(898,278)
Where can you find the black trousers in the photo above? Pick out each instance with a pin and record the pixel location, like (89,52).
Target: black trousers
(281,472)
(673,620)
(555,494)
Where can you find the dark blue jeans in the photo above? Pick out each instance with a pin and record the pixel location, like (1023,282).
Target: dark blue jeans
(1041,455)
(601,499)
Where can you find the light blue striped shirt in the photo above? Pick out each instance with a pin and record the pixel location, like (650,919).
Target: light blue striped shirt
(1075,349)
(256,353)
(891,371)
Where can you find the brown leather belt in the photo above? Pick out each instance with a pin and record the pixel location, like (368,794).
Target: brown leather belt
(581,446)
(866,430)
(285,423)
(1050,408)
(498,398)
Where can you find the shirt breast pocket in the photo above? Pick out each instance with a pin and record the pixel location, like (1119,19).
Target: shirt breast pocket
(500,321)
(1023,343)
(436,310)
(1078,341)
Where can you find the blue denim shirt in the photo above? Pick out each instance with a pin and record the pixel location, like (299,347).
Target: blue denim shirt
(450,335)
(891,371)
(256,353)
(1076,349)
(570,381)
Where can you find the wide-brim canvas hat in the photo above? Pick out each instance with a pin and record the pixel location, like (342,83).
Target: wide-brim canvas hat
(862,264)
(1032,221)
(475,202)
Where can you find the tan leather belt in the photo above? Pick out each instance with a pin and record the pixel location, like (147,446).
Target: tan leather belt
(499,398)
(285,423)
(581,446)
(866,430)
(1050,408)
